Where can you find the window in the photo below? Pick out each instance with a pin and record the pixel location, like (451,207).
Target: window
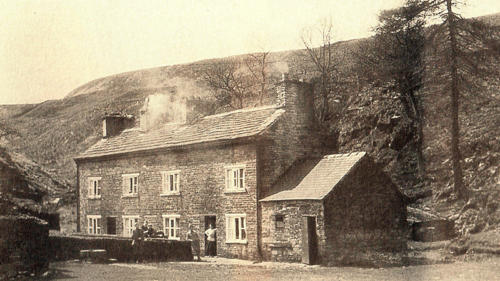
(235,178)
(170,182)
(94,188)
(280,221)
(129,223)
(171,226)
(236,228)
(130,184)
(94,224)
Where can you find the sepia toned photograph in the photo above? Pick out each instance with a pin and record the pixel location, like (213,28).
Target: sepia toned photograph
(250,140)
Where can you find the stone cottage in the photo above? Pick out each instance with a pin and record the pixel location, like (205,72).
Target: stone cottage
(338,209)
(216,170)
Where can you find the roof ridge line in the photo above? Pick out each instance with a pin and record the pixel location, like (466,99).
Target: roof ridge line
(246,109)
(337,155)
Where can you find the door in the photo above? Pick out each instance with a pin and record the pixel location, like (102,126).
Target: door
(210,220)
(309,240)
(111,225)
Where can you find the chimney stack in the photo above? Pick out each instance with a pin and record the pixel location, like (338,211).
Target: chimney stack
(113,124)
(296,97)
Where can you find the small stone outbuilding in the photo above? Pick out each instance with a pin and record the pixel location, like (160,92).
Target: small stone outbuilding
(339,209)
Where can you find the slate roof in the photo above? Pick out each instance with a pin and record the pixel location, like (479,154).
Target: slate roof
(321,179)
(226,126)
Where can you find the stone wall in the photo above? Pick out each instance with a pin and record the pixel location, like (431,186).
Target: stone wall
(366,218)
(202,191)
(285,243)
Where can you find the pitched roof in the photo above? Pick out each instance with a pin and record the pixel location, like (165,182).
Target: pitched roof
(225,126)
(321,179)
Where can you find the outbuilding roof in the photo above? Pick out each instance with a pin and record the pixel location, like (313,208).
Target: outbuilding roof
(225,126)
(321,179)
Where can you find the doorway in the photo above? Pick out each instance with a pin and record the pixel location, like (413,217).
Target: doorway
(210,220)
(111,225)
(309,240)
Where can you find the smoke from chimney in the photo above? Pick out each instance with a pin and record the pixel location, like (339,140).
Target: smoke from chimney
(168,107)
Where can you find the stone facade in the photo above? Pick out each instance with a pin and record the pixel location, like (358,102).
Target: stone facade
(284,242)
(201,167)
(361,222)
(367,215)
(365,210)
(201,191)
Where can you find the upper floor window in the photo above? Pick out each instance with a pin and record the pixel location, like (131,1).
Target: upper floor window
(171,226)
(130,184)
(235,178)
(170,182)
(94,224)
(236,228)
(129,223)
(94,187)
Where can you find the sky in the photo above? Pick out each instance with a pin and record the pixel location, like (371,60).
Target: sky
(50,47)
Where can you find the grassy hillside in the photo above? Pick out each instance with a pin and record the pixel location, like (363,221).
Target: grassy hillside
(54,131)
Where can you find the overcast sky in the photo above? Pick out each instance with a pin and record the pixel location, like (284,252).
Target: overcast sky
(50,47)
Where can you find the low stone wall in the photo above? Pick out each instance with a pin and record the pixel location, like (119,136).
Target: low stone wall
(119,248)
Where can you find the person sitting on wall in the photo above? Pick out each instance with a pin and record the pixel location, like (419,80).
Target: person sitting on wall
(144,227)
(137,239)
(150,232)
(210,233)
(193,236)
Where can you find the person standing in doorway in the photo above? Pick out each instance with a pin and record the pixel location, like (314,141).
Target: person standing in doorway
(210,233)
(193,236)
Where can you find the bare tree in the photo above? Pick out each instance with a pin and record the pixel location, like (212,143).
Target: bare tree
(322,57)
(230,86)
(237,83)
(257,65)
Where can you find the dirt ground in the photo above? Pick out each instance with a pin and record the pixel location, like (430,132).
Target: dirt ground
(224,269)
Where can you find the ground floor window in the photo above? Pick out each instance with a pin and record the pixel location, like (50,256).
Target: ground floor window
(129,225)
(236,228)
(94,224)
(171,227)
(279,222)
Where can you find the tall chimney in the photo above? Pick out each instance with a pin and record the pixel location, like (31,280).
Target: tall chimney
(113,124)
(296,97)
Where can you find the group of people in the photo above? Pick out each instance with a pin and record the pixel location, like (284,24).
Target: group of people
(146,231)
(210,233)
(138,236)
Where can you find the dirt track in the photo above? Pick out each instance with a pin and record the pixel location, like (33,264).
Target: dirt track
(242,270)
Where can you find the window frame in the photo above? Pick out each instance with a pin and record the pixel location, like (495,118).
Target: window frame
(231,237)
(166,183)
(229,172)
(125,227)
(94,224)
(94,184)
(167,227)
(277,222)
(128,184)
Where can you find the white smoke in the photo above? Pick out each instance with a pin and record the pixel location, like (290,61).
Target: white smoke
(169,106)
(281,67)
